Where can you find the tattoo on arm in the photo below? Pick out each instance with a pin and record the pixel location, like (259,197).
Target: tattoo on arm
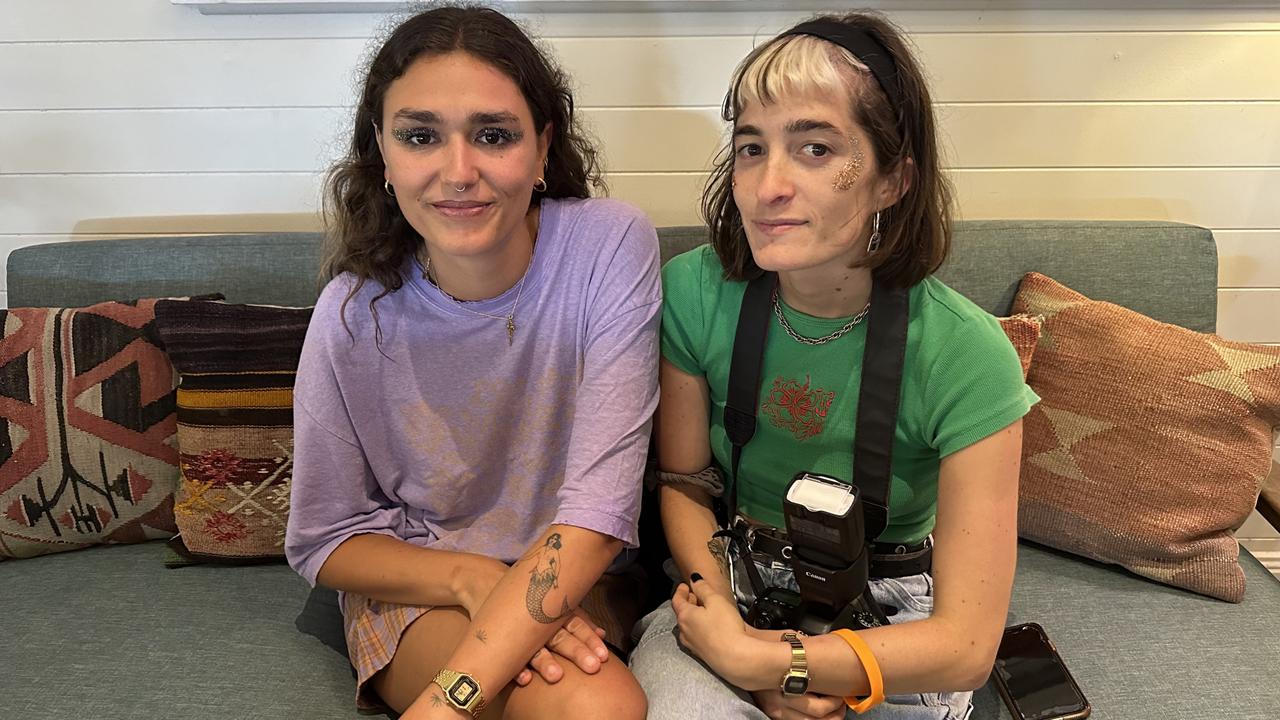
(482,636)
(719,549)
(545,577)
(436,700)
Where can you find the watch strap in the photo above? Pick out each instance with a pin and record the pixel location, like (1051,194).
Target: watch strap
(799,660)
(799,669)
(461,691)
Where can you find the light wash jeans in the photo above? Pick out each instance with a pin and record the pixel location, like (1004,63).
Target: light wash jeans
(679,686)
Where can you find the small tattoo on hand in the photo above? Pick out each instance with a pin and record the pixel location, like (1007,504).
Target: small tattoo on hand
(482,636)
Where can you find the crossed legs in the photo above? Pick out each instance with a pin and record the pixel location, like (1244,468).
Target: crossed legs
(612,693)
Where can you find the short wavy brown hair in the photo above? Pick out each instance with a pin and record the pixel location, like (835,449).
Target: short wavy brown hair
(915,231)
(367,234)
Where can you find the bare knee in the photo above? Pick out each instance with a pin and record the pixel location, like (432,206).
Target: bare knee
(611,694)
(614,698)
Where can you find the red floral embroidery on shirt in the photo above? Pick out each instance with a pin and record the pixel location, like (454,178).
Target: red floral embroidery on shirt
(797,408)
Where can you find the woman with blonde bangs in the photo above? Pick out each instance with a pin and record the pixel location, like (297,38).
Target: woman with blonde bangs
(830,213)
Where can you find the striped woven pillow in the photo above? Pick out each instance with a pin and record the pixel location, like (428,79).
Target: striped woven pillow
(235,425)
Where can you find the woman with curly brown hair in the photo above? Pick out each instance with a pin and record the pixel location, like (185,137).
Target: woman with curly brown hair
(474,397)
(829,214)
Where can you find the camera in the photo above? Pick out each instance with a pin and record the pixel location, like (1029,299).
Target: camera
(830,556)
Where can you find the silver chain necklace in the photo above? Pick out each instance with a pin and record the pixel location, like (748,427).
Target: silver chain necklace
(834,335)
(510,317)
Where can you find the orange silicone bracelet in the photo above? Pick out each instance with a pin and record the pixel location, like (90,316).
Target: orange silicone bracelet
(874,677)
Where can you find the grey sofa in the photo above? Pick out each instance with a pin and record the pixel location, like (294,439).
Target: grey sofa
(111,633)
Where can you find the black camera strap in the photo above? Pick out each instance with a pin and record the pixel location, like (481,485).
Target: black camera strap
(878,397)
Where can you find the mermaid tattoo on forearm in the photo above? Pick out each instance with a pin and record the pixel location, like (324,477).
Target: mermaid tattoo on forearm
(543,578)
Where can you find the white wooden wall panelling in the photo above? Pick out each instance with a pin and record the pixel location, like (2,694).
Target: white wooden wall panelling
(642,72)
(1112,134)
(1213,197)
(183,140)
(1251,315)
(643,139)
(81,20)
(1248,258)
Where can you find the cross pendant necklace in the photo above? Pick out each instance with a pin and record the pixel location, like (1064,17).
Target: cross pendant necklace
(510,317)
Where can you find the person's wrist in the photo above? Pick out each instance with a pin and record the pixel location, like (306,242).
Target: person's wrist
(433,708)
(763,663)
(765,635)
(472,581)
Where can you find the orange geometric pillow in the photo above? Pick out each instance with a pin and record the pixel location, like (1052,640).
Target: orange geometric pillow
(1150,441)
(1023,332)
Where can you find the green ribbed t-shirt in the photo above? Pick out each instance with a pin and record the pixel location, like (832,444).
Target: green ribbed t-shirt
(961,382)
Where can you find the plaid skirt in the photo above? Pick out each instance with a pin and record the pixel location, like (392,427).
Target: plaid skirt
(374,628)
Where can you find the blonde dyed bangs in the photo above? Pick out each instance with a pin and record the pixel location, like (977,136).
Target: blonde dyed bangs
(795,66)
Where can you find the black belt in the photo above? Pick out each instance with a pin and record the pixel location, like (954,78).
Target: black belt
(888,560)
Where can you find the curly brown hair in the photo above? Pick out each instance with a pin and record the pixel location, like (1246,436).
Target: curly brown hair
(916,231)
(367,235)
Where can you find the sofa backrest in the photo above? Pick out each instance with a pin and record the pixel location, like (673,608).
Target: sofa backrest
(1165,270)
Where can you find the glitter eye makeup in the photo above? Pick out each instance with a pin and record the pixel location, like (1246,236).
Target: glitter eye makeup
(498,136)
(413,136)
(852,169)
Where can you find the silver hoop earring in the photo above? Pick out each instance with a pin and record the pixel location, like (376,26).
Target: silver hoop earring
(386,187)
(540,185)
(874,243)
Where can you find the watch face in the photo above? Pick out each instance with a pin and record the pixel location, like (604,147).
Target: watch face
(795,685)
(463,690)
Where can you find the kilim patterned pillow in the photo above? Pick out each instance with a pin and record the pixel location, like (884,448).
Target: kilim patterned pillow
(86,429)
(235,424)
(1150,442)
(1023,332)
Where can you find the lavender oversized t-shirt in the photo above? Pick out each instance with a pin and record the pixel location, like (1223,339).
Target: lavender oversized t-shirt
(448,437)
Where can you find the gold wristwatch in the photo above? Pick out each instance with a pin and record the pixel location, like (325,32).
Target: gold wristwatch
(461,690)
(796,681)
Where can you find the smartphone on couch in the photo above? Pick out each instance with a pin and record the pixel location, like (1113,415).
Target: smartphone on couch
(1032,679)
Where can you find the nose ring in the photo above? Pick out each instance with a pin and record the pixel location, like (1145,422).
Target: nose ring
(460,188)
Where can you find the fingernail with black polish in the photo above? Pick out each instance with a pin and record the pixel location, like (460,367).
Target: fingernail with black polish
(695,577)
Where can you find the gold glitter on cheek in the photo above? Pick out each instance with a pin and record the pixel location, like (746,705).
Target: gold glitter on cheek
(852,169)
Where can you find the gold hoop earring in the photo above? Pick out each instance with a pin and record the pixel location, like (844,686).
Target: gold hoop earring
(540,185)
(386,187)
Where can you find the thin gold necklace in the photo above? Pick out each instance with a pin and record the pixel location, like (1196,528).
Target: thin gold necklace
(510,317)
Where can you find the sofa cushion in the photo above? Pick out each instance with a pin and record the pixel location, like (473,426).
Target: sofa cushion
(1144,650)
(86,429)
(235,424)
(211,643)
(1150,443)
(108,633)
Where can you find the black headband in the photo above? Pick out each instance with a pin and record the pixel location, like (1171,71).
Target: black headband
(864,46)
